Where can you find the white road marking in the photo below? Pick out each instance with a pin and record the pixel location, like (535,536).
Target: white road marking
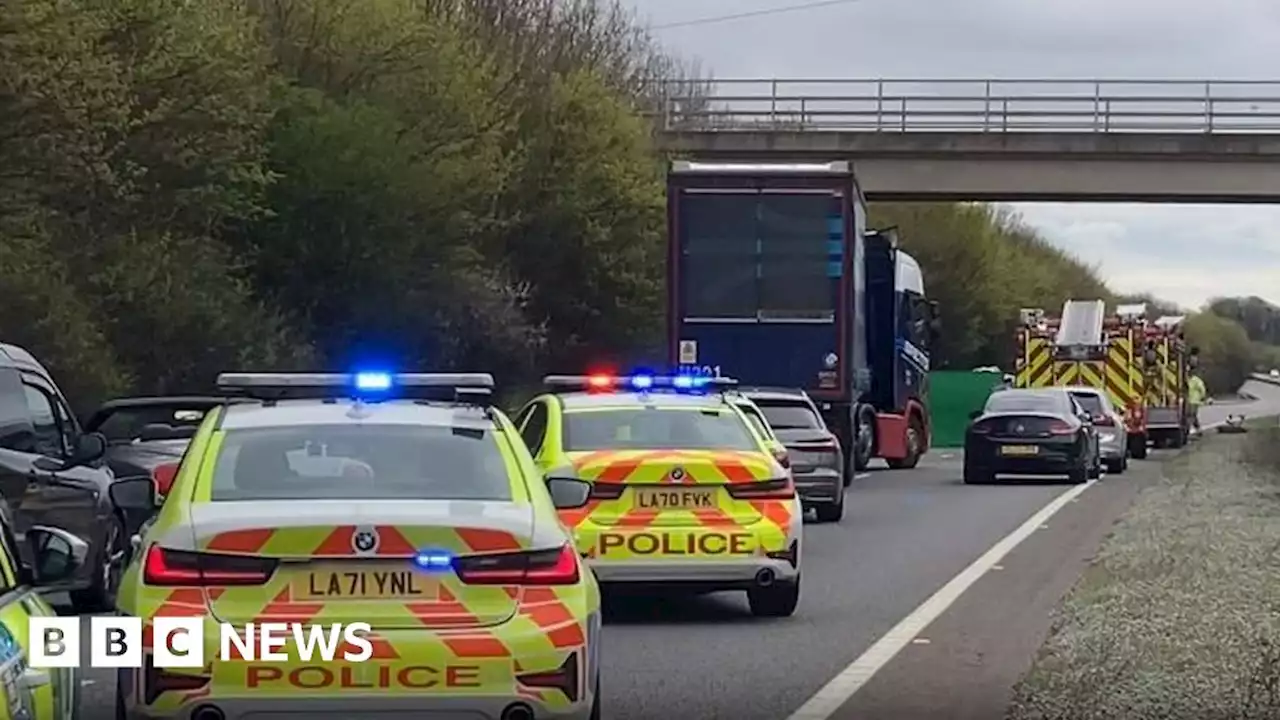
(859,476)
(827,701)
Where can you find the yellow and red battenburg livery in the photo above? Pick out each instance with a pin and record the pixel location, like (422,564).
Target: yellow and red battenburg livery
(684,491)
(425,519)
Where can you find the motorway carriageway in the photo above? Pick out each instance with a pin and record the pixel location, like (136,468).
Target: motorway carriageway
(929,599)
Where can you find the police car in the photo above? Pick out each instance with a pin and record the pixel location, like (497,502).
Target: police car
(404,501)
(28,693)
(685,492)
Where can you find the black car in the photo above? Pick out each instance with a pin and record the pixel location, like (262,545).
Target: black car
(1031,432)
(52,473)
(145,433)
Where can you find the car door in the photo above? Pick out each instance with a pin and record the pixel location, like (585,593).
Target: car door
(761,425)
(1093,449)
(533,429)
(17,439)
(27,692)
(69,498)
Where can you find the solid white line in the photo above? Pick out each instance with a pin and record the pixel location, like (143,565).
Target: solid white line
(827,701)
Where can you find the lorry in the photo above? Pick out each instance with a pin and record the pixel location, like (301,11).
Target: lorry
(1142,365)
(773,279)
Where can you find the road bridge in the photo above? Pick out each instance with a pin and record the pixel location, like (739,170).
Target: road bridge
(1011,140)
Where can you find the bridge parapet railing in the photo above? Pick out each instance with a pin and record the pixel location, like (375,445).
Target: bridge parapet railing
(983,106)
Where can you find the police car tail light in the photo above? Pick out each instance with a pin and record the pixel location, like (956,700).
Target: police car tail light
(558,566)
(607,491)
(779,489)
(182,568)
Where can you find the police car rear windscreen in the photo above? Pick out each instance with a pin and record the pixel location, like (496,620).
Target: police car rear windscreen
(656,429)
(367,462)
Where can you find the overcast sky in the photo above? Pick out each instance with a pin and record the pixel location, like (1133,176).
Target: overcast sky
(1183,253)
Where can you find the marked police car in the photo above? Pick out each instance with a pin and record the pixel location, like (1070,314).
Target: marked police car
(685,492)
(403,501)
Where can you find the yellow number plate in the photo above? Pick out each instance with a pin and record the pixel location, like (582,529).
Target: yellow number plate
(675,498)
(347,584)
(1019,450)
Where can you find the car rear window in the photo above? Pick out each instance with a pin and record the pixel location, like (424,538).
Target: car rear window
(789,414)
(653,428)
(125,424)
(1014,401)
(364,462)
(1090,403)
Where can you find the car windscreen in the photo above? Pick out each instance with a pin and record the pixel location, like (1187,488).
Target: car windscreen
(125,424)
(360,462)
(1013,401)
(789,414)
(1090,403)
(656,428)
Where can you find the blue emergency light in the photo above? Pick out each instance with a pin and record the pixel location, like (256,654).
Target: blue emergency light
(373,381)
(434,560)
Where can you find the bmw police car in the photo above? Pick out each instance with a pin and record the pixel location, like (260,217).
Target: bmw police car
(406,502)
(684,491)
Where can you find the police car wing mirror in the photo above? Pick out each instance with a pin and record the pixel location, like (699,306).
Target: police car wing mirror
(568,493)
(58,554)
(133,495)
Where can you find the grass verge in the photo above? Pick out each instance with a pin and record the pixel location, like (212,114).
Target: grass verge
(1179,614)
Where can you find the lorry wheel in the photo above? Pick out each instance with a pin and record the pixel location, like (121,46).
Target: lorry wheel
(915,441)
(864,440)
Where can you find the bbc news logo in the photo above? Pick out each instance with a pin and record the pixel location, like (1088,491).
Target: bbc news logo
(179,642)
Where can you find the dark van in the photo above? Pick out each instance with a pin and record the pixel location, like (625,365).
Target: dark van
(53,474)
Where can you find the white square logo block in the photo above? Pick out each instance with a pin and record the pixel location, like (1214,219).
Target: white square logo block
(178,642)
(54,642)
(115,641)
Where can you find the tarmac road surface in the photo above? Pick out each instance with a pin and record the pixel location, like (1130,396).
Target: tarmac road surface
(905,535)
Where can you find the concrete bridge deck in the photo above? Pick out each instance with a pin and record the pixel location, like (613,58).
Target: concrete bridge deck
(1154,142)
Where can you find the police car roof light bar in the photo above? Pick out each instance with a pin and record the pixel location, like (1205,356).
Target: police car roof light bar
(466,387)
(636,383)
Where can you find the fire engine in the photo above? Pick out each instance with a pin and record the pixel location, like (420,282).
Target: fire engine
(1142,365)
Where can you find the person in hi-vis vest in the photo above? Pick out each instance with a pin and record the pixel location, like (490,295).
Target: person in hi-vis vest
(1196,396)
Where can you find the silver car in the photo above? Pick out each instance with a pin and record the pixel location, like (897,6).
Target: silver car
(1112,437)
(816,458)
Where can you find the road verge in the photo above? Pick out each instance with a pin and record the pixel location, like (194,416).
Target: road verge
(1178,616)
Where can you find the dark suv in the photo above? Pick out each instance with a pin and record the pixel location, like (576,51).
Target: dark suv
(52,473)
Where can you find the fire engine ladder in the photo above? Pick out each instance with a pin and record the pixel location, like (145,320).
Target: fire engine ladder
(1081,323)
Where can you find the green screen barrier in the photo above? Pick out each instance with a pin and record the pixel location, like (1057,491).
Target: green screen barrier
(953,395)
